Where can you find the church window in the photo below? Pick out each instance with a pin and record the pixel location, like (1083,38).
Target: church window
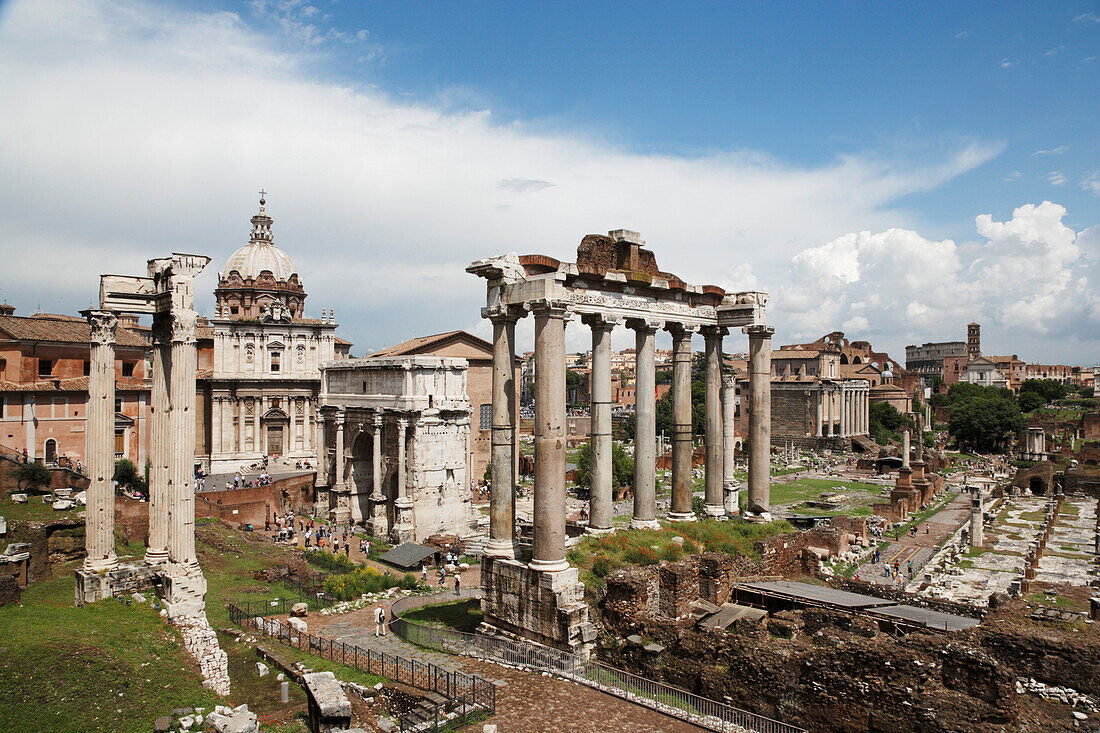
(275,355)
(127,368)
(486,417)
(45,367)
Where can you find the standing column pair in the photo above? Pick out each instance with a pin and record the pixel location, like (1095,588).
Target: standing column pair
(502,496)
(600,442)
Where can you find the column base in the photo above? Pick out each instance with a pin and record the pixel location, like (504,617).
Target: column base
(549,566)
(504,549)
(126,578)
(757,517)
(598,531)
(716,511)
(156,557)
(105,565)
(543,607)
(681,517)
(184,589)
(644,524)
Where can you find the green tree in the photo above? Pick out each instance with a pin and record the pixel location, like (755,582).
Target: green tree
(1048,389)
(127,476)
(1030,401)
(30,475)
(622,467)
(961,391)
(885,422)
(984,420)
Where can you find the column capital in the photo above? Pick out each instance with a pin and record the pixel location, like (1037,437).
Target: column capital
(713,331)
(103,324)
(644,325)
(402,422)
(339,418)
(547,308)
(601,322)
(376,420)
(681,330)
(503,313)
(759,331)
(183,325)
(729,380)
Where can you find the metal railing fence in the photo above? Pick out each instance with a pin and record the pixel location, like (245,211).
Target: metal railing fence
(659,696)
(465,694)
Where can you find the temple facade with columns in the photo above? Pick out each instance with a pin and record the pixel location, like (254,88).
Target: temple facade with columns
(614,283)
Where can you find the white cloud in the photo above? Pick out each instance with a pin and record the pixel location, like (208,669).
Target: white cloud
(1006,64)
(1014,175)
(1028,279)
(1087,18)
(1092,182)
(1054,51)
(132,128)
(1051,151)
(962,34)
(1056,178)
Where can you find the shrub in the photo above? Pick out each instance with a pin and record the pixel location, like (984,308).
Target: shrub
(601,566)
(346,586)
(330,562)
(31,475)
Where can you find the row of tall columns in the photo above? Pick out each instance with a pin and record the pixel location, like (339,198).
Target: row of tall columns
(851,410)
(550,429)
(100,516)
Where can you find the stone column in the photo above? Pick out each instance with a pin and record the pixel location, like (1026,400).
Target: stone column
(760,420)
(976,537)
(730,494)
(645,426)
(402,520)
(502,496)
(828,394)
(681,424)
(215,425)
(378,520)
(339,486)
(185,587)
(845,412)
(905,449)
(159,427)
(600,471)
(714,439)
(820,409)
(549,546)
(99,523)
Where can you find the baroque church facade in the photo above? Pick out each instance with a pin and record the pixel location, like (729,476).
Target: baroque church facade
(259,390)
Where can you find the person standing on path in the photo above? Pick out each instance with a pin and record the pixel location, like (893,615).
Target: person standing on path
(380,622)
(458,584)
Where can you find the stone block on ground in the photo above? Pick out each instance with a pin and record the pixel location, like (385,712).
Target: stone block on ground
(262,669)
(19,498)
(298,625)
(299,609)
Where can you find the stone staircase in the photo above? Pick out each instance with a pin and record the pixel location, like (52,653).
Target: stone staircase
(474,544)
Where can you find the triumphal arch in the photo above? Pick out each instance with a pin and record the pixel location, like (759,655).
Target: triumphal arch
(614,282)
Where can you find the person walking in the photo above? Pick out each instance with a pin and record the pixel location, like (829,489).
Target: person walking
(458,584)
(380,622)
(424,571)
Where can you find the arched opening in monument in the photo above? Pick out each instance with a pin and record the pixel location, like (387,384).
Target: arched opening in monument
(50,450)
(1037,487)
(361,475)
(843,358)
(857,360)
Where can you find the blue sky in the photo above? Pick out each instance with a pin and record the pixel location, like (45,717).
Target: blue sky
(892,170)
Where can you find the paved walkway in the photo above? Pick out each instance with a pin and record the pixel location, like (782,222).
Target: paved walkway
(917,549)
(527,702)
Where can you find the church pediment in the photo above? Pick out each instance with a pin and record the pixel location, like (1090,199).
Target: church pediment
(275,415)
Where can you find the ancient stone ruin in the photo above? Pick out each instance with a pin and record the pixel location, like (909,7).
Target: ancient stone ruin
(168,294)
(615,281)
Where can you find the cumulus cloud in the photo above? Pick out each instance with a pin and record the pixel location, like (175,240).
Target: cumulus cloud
(1026,279)
(133,128)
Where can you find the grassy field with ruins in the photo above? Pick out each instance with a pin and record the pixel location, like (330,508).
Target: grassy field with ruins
(112,666)
(825,496)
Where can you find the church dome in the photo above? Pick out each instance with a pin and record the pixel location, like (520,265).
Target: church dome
(260,253)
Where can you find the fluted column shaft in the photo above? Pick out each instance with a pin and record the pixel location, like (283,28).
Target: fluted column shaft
(601,463)
(549,545)
(378,519)
(181,469)
(403,520)
(714,506)
(343,501)
(682,484)
(99,523)
(760,402)
(820,408)
(829,396)
(159,430)
(645,426)
(502,496)
(730,495)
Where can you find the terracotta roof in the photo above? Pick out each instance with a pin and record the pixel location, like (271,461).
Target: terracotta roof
(71,384)
(416,345)
(60,329)
(795,354)
(887,388)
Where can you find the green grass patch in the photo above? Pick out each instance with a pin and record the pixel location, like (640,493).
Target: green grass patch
(459,615)
(35,511)
(976,551)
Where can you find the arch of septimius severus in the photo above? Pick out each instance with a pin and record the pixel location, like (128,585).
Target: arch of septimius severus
(168,294)
(614,282)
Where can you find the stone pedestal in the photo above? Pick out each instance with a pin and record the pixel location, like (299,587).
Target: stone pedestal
(125,578)
(545,607)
